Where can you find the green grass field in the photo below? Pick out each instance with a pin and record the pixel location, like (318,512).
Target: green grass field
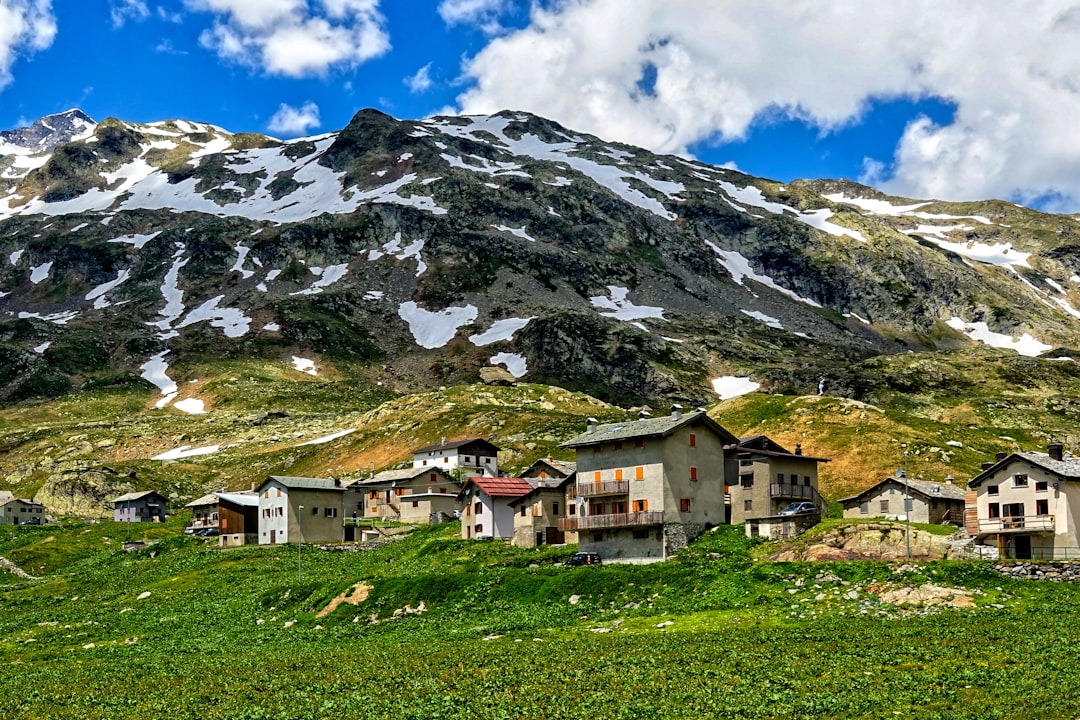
(183,629)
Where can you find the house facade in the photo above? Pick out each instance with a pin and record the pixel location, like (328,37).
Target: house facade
(1028,504)
(204,512)
(645,488)
(926,502)
(539,513)
(769,478)
(486,512)
(310,510)
(238,518)
(146,506)
(414,495)
(473,456)
(17,511)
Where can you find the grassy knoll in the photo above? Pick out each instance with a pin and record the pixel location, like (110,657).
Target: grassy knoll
(712,633)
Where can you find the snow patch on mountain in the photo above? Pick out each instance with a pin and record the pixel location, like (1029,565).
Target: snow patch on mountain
(819,219)
(98,293)
(621,308)
(394,249)
(740,269)
(186,451)
(515,364)
(233,322)
(730,386)
(500,330)
(40,273)
(770,321)
(304,365)
(435,329)
(327,277)
(327,438)
(517,232)
(1023,345)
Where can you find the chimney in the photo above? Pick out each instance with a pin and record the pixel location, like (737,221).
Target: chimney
(949,480)
(676,410)
(644,415)
(987,465)
(337,482)
(999,456)
(1054,450)
(798,448)
(590,425)
(442,440)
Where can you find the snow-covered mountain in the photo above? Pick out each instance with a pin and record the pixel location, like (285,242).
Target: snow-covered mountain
(430,249)
(46,133)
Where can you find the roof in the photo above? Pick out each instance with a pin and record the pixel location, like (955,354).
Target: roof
(926,488)
(647,427)
(210,499)
(6,500)
(6,495)
(1067,468)
(540,485)
(562,467)
(455,444)
(303,483)
(390,476)
(764,445)
(508,487)
(243,499)
(137,496)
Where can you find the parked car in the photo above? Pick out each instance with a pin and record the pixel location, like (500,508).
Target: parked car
(191,530)
(799,508)
(208,532)
(584,558)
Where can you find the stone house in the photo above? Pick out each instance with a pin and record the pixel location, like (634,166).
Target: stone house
(771,477)
(929,502)
(146,506)
(204,511)
(550,468)
(487,513)
(1027,504)
(474,456)
(538,513)
(412,495)
(645,488)
(310,510)
(17,511)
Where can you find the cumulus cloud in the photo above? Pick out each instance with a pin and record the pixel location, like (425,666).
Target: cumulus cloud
(292,121)
(421,81)
(673,73)
(123,10)
(295,38)
(26,26)
(483,13)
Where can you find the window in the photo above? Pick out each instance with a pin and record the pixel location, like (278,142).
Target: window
(640,505)
(598,537)
(399,491)
(684,505)
(993,510)
(446,459)
(314,511)
(1042,507)
(543,475)
(425,462)
(279,492)
(908,505)
(1020,480)
(748,505)
(596,508)
(806,480)
(523,510)
(618,507)
(746,480)
(372,494)
(571,509)
(281,512)
(639,473)
(1040,486)
(618,473)
(746,463)
(433,477)
(596,476)
(991,489)
(487,461)
(639,443)
(478,529)
(693,440)
(416,503)
(596,448)
(618,445)
(780,477)
(468,459)
(267,493)
(478,508)
(864,507)
(554,508)
(330,512)
(884,507)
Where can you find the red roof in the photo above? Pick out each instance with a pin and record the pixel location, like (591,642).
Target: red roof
(511,487)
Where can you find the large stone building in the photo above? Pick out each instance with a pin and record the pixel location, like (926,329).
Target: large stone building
(411,495)
(647,487)
(770,478)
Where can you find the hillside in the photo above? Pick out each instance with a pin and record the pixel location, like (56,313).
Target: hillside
(433,625)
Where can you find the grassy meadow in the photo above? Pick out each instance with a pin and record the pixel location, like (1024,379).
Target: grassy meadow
(457,629)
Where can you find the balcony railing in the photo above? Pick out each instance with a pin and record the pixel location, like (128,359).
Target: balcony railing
(615,520)
(1017,524)
(787,490)
(613,487)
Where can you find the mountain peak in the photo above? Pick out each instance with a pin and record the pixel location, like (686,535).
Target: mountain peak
(47,133)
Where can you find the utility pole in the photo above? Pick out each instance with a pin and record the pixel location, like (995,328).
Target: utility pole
(907,505)
(300,540)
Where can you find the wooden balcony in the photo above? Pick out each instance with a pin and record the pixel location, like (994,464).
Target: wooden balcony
(787,490)
(1017,524)
(595,489)
(615,520)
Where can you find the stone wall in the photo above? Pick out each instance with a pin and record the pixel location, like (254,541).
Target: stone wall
(1053,571)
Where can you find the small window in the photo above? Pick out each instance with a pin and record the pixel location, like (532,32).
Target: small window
(478,529)
(684,505)
(1042,507)
(747,505)
(433,477)
(864,507)
(543,475)
(425,462)
(522,510)
(993,510)
(693,440)
(596,508)
(746,480)
(598,537)
(446,459)
(1020,480)
(571,509)
(314,511)
(991,489)
(442,491)
(1040,486)
(884,507)
(555,508)
(746,463)
(693,474)
(618,474)
(279,492)
(399,491)
(478,508)
(330,512)
(487,461)
(640,505)
(596,448)
(780,477)
(639,473)
(416,503)
(639,443)
(806,480)
(266,494)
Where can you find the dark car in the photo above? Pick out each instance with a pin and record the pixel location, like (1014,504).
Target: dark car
(798,508)
(208,532)
(584,558)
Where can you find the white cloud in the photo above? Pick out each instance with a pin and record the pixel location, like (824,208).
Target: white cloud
(421,81)
(123,10)
(25,27)
(291,121)
(294,37)
(672,73)
(483,13)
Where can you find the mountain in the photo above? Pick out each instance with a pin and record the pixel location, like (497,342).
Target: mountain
(47,133)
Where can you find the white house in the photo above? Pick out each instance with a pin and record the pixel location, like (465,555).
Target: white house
(487,512)
(473,455)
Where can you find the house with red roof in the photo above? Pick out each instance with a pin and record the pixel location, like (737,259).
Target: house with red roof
(487,512)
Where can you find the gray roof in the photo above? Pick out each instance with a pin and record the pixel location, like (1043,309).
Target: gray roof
(647,427)
(137,496)
(561,466)
(409,473)
(210,499)
(303,483)
(927,488)
(244,499)
(1067,468)
(4,500)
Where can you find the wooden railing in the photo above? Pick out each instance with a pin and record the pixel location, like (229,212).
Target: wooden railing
(1017,523)
(592,489)
(614,520)
(805,492)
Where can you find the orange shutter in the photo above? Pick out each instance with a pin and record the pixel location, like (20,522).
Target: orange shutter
(639,473)
(618,474)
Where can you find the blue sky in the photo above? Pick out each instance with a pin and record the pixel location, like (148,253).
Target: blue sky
(976,102)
